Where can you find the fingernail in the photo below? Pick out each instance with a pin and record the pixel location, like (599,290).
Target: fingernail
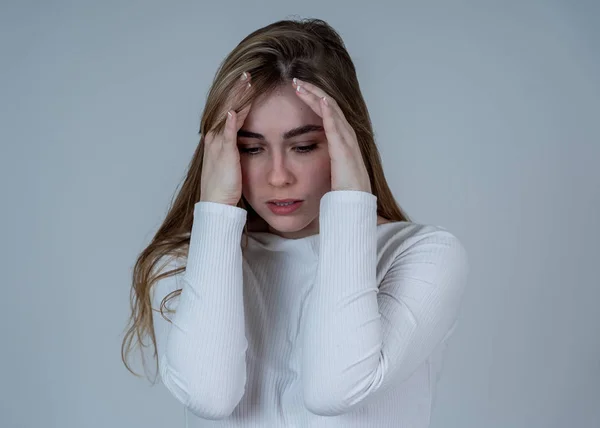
(248,85)
(244,76)
(325,101)
(300,89)
(229,115)
(295,81)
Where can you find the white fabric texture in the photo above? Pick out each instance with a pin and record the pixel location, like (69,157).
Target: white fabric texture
(345,328)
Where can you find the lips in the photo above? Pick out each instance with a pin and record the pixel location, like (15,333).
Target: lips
(283,201)
(286,208)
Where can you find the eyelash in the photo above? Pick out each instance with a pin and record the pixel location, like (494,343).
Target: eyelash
(303,149)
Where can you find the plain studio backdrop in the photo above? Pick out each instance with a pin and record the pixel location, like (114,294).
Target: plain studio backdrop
(487,118)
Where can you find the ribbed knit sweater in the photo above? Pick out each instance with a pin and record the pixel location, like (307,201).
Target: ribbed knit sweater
(345,328)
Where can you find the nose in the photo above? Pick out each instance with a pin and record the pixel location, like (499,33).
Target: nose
(279,174)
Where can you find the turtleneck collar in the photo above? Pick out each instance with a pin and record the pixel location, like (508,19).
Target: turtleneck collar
(271,242)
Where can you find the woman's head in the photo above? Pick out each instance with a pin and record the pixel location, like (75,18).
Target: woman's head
(313,52)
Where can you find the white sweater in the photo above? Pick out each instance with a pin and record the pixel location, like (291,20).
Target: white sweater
(345,328)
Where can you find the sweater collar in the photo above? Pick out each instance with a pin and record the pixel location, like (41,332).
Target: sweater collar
(271,242)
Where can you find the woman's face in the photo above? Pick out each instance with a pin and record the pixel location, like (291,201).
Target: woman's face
(278,163)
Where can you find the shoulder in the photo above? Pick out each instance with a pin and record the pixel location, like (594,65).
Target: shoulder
(420,245)
(404,234)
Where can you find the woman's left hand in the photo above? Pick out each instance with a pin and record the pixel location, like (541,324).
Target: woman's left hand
(348,171)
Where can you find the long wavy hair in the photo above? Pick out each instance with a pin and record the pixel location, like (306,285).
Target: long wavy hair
(309,49)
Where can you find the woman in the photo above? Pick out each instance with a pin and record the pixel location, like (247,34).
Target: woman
(299,292)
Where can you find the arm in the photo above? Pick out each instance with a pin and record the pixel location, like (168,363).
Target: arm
(201,354)
(361,338)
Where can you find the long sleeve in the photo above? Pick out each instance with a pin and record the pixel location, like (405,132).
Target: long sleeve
(201,353)
(361,337)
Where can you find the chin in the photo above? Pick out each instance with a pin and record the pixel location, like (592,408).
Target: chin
(288,224)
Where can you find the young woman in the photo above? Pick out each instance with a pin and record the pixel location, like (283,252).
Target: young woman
(286,287)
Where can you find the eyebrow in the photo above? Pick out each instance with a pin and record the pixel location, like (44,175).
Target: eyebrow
(305,129)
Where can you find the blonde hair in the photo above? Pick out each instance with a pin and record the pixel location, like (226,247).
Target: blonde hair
(310,50)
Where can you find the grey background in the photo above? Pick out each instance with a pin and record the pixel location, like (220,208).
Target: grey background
(486,115)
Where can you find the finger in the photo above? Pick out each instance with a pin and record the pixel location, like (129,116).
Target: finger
(235,94)
(314,94)
(313,89)
(230,130)
(334,122)
(240,89)
(243,113)
(338,120)
(241,85)
(330,123)
(334,107)
(311,99)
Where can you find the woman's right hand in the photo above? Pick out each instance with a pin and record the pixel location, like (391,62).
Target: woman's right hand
(221,179)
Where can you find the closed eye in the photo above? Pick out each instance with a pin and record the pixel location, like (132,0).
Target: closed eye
(299,149)
(305,149)
(249,150)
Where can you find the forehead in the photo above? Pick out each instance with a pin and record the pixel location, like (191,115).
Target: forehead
(279,111)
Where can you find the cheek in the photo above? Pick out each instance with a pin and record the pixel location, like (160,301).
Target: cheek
(319,172)
(248,177)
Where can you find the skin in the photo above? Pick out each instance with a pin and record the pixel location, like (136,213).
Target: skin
(277,168)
